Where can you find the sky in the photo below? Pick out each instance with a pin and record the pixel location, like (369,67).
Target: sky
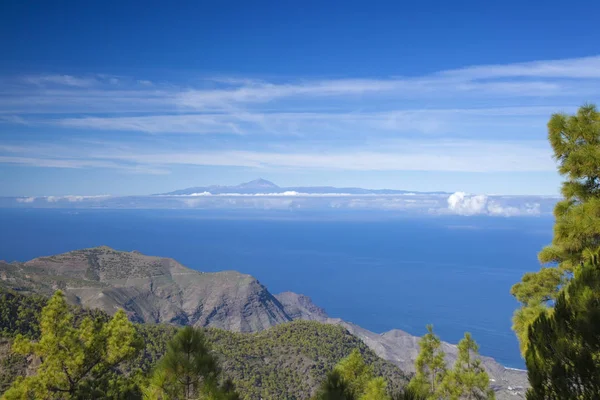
(127,97)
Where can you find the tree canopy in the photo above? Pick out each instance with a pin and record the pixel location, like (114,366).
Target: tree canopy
(563,356)
(353,379)
(189,370)
(467,379)
(575,140)
(74,360)
(434,381)
(430,365)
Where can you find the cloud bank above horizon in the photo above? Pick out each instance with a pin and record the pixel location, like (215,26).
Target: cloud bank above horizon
(459,203)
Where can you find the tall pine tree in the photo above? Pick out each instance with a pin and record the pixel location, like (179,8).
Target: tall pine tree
(563,356)
(334,387)
(352,379)
(188,370)
(430,366)
(467,379)
(575,140)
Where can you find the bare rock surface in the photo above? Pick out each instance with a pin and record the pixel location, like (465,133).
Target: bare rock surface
(151,289)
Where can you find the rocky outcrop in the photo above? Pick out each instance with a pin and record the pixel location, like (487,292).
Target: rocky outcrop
(298,306)
(150,289)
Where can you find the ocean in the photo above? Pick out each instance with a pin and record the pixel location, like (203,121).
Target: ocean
(378,270)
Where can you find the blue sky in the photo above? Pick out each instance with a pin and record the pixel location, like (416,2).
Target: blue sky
(131,98)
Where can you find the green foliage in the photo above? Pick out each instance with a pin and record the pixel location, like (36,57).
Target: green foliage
(289,361)
(575,140)
(433,381)
(563,358)
(155,339)
(188,370)
(334,387)
(430,365)
(285,362)
(11,365)
(73,359)
(353,379)
(376,389)
(408,394)
(467,379)
(355,372)
(20,314)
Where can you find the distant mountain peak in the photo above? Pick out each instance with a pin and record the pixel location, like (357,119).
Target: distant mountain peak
(258,184)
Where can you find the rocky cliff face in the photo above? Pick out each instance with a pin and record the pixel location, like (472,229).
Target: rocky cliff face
(150,289)
(298,306)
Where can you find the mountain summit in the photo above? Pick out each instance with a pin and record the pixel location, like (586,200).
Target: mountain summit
(150,289)
(258,184)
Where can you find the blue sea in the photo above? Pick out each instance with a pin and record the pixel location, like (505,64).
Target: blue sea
(374,269)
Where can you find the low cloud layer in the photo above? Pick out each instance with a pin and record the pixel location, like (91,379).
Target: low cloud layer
(26,199)
(458,203)
(467,204)
(289,193)
(55,199)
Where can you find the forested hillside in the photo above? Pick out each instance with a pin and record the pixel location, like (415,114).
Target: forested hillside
(285,362)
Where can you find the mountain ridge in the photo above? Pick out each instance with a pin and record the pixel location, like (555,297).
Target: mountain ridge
(160,290)
(263,186)
(150,289)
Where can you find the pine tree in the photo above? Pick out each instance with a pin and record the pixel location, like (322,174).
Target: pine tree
(408,394)
(352,379)
(74,360)
(430,366)
(467,379)
(188,370)
(563,356)
(334,387)
(575,140)
(376,389)
(355,372)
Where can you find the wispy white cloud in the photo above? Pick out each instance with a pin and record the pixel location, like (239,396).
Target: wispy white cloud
(159,124)
(533,80)
(392,155)
(62,80)
(321,123)
(577,68)
(407,155)
(74,163)
(26,200)
(486,118)
(14,119)
(361,90)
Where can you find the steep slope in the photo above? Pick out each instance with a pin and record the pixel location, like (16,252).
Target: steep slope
(285,362)
(150,289)
(298,306)
(154,289)
(402,348)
